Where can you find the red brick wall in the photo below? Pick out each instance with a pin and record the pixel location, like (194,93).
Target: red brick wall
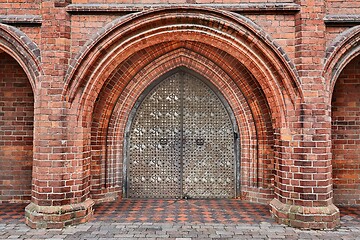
(16,131)
(343,7)
(18,7)
(280,27)
(346,135)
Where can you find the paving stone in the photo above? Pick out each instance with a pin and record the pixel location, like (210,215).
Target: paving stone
(108,228)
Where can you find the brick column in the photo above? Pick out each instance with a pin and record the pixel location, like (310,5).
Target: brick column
(304,179)
(60,187)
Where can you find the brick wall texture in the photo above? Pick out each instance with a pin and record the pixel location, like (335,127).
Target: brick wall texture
(72,73)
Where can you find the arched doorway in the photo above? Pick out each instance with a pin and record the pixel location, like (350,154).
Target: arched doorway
(253,74)
(181,141)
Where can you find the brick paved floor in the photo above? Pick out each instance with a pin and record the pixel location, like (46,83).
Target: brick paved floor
(183,211)
(177,220)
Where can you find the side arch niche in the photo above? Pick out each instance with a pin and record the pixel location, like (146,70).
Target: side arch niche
(345,115)
(343,76)
(19,73)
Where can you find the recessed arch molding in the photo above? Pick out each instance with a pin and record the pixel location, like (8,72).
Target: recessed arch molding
(242,38)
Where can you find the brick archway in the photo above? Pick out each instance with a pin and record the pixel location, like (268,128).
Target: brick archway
(252,71)
(345,123)
(256,132)
(342,75)
(341,51)
(23,50)
(238,36)
(19,76)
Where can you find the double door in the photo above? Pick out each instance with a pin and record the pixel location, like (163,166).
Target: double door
(181,143)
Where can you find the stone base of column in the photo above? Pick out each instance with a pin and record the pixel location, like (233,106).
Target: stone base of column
(305,217)
(57,217)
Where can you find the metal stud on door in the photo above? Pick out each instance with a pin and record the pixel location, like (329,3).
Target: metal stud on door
(181,143)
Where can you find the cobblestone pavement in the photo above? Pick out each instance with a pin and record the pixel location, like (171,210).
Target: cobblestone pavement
(114,223)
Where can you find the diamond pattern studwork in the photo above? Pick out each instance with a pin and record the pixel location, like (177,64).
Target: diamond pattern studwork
(181,143)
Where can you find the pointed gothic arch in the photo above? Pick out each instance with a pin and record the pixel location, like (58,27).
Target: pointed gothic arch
(107,74)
